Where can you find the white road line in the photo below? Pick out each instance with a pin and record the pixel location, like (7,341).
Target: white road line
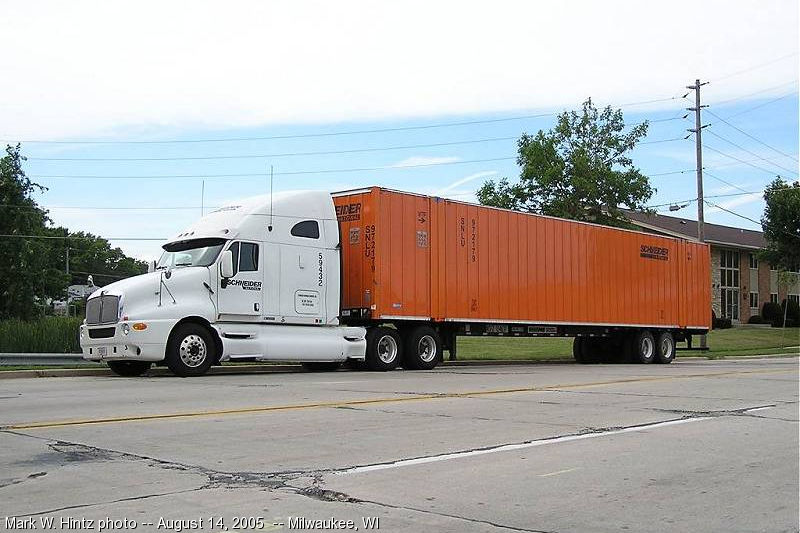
(512,447)
(557,472)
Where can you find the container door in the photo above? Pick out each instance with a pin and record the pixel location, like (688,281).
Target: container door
(240,296)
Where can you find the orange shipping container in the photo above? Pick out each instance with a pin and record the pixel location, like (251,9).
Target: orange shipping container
(413,257)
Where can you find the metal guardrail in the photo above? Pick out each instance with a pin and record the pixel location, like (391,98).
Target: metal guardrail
(50,359)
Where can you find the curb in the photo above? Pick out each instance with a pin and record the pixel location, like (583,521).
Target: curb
(267,368)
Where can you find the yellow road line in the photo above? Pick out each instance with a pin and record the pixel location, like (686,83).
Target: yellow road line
(346,403)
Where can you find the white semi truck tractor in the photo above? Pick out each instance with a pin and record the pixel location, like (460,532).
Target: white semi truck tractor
(259,279)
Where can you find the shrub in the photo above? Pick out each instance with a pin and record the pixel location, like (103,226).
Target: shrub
(756,319)
(770,311)
(721,323)
(51,334)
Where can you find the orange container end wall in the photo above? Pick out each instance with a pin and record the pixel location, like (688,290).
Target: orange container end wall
(412,256)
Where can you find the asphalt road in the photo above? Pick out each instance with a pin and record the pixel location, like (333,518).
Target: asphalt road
(693,446)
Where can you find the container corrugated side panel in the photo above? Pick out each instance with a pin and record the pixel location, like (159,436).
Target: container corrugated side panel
(508,266)
(403,255)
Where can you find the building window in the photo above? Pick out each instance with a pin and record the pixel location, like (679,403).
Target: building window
(753,300)
(773,268)
(773,297)
(753,261)
(729,283)
(793,298)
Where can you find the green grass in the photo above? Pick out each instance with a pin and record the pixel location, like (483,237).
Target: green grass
(46,335)
(723,343)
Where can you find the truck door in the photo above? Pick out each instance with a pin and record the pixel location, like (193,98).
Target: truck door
(240,297)
(303,275)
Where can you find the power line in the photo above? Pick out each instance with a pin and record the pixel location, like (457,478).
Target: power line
(293,154)
(722,102)
(712,204)
(71,237)
(293,173)
(743,161)
(334,133)
(793,93)
(755,67)
(726,182)
(749,152)
(740,130)
(690,200)
(265,156)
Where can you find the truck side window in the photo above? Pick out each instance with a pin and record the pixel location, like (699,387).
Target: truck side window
(248,257)
(307,228)
(235,251)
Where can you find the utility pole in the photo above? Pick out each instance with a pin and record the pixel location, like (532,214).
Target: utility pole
(698,130)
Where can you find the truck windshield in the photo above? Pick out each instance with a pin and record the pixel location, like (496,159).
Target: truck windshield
(193,252)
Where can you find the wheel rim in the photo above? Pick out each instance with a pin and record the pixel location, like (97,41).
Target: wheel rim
(647,348)
(193,350)
(666,349)
(387,349)
(426,348)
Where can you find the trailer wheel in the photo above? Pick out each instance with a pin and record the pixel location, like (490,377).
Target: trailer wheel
(423,349)
(665,348)
(190,350)
(577,350)
(315,366)
(643,347)
(383,349)
(129,369)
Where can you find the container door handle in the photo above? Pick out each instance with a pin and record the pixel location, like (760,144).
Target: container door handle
(300,262)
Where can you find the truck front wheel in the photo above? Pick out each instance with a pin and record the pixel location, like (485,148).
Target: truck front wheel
(383,348)
(423,349)
(129,369)
(190,350)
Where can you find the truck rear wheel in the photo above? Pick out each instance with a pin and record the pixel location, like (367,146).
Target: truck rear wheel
(665,348)
(423,349)
(383,349)
(190,350)
(643,347)
(129,369)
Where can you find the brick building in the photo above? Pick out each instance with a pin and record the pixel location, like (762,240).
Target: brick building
(740,283)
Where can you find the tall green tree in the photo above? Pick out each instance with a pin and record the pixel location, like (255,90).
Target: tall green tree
(33,252)
(581,170)
(27,275)
(781,225)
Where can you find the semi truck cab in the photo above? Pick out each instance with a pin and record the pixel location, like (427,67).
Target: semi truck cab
(257,279)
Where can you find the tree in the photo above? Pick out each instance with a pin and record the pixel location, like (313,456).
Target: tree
(33,253)
(579,170)
(781,225)
(27,275)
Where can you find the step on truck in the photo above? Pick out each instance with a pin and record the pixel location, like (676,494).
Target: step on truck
(383,278)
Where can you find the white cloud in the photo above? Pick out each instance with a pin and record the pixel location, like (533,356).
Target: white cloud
(417,160)
(153,68)
(448,190)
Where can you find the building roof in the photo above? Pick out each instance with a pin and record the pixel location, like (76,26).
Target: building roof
(685,228)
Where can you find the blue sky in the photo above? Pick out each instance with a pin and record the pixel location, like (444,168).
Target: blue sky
(753,87)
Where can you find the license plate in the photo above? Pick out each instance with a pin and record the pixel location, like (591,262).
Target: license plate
(102,351)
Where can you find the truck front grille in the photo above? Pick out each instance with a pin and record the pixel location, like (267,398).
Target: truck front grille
(102,310)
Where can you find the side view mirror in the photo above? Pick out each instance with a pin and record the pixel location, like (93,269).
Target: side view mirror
(226,265)
(151,266)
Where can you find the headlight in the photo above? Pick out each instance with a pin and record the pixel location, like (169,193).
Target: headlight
(125,329)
